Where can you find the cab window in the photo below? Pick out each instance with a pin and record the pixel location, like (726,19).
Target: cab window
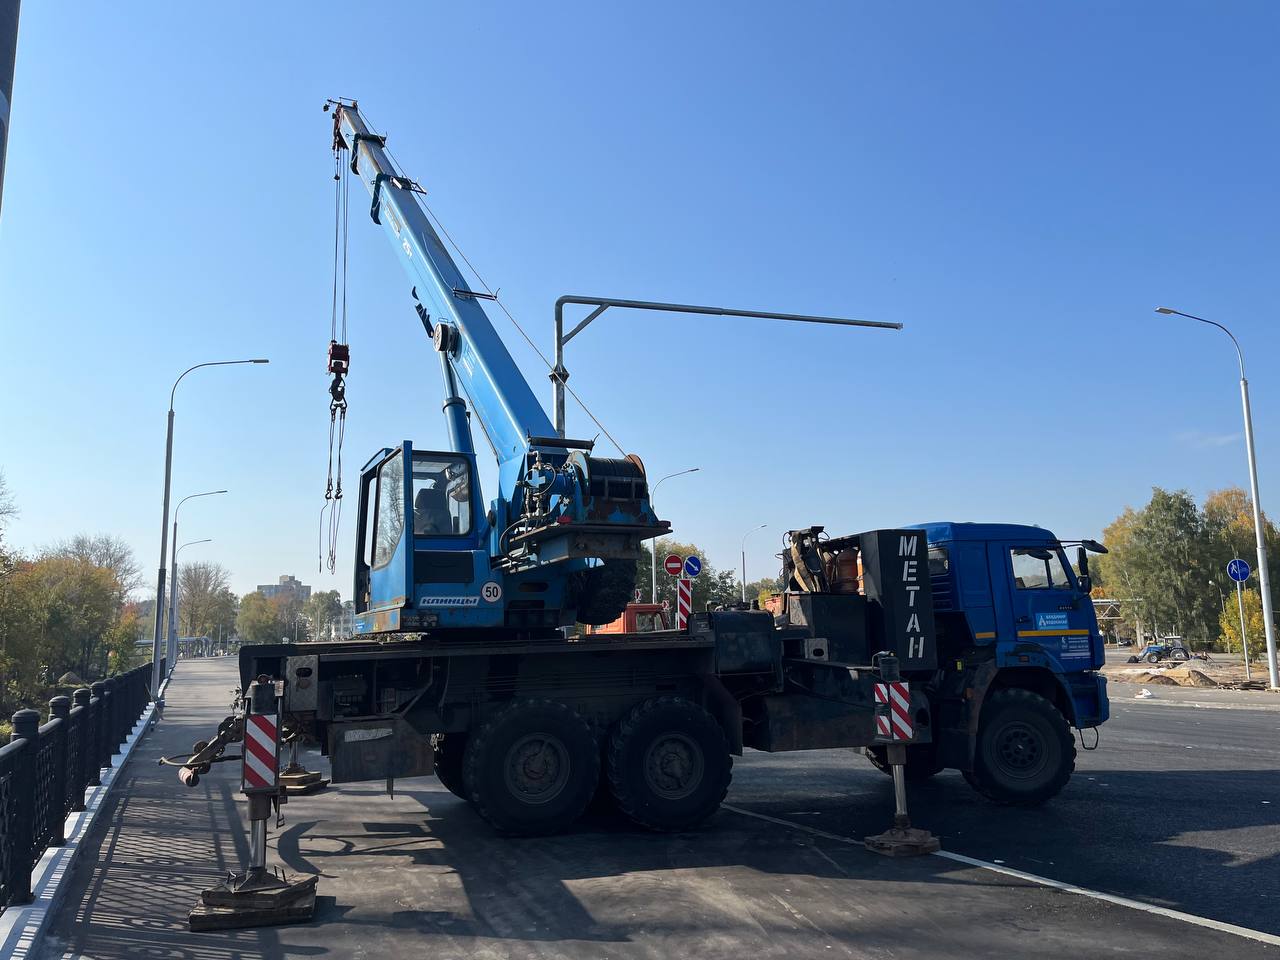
(441,496)
(389,522)
(1038,568)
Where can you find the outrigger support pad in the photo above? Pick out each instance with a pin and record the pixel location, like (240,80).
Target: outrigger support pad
(902,839)
(258,897)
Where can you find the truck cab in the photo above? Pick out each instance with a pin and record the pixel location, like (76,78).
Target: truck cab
(1018,652)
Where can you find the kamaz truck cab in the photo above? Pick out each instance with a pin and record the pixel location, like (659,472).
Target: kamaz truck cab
(1018,653)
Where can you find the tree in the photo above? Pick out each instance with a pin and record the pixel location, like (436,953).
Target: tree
(323,609)
(204,600)
(1229,622)
(262,619)
(711,586)
(106,551)
(7,508)
(71,606)
(1173,556)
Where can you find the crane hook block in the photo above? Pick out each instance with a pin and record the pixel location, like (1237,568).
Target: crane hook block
(339,358)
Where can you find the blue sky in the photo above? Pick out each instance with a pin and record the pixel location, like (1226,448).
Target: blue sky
(1018,185)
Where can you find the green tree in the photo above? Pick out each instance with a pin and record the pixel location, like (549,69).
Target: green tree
(711,586)
(323,609)
(1173,556)
(262,619)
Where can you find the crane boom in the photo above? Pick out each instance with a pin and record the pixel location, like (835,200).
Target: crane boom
(479,361)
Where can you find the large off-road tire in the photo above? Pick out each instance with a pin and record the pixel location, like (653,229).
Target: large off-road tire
(922,761)
(668,764)
(533,768)
(449,750)
(1180,655)
(1152,658)
(1025,752)
(600,593)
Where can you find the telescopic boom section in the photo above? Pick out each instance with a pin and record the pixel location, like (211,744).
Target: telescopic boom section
(494,386)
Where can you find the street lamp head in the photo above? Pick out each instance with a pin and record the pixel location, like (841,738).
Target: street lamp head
(260,360)
(1165,310)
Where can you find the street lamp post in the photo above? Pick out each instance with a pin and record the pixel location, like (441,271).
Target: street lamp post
(173,572)
(1264,579)
(164,521)
(171,650)
(1222,597)
(653,544)
(744,558)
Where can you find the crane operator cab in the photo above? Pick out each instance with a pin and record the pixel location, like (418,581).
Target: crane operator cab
(429,556)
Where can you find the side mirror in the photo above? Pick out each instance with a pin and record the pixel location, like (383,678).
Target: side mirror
(1086,584)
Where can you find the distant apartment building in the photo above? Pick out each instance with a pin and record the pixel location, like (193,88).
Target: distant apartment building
(289,586)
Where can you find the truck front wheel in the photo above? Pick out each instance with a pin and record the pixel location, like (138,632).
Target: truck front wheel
(1025,752)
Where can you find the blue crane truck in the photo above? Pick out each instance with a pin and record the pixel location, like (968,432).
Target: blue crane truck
(974,646)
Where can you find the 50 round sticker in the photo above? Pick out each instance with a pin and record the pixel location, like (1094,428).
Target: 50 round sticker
(491,592)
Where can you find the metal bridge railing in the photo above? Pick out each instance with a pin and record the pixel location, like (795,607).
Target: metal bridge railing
(46,769)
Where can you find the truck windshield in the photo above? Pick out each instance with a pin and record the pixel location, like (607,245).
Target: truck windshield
(1039,568)
(441,496)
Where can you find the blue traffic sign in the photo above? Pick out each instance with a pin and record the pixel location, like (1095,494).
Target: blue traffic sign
(1238,570)
(692,566)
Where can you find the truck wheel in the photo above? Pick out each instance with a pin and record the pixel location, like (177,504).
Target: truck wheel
(533,768)
(922,761)
(600,593)
(449,750)
(668,764)
(1152,658)
(1025,752)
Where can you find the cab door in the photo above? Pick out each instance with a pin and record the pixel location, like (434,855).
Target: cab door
(1049,610)
(389,548)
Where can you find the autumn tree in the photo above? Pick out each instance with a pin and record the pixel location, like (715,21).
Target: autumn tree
(205,601)
(1229,623)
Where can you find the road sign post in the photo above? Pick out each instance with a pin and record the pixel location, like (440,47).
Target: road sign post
(1238,570)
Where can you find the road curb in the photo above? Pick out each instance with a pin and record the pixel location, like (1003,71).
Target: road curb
(22,927)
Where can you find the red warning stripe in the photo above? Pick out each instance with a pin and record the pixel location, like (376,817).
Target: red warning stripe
(684,601)
(260,748)
(897,695)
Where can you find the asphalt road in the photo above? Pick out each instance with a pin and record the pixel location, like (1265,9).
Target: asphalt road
(1171,810)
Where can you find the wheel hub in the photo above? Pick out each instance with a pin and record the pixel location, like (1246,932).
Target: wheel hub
(537,768)
(1020,750)
(673,766)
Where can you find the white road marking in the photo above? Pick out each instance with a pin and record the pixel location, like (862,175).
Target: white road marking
(1211,924)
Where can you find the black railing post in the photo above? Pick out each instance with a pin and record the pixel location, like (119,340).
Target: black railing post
(26,727)
(59,710)
(115,701)
(83,728)
(101,736)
